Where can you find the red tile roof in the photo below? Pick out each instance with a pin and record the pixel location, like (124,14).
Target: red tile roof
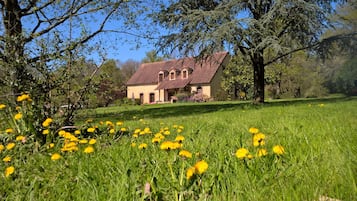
(172,84)
(203,71)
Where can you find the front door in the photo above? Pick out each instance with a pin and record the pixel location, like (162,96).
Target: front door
(141,98)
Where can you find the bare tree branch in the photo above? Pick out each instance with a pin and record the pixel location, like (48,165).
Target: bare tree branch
(74,45)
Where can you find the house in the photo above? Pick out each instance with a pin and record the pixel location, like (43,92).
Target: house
(161,81)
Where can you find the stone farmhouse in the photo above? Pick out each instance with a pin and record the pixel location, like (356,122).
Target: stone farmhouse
(161,81)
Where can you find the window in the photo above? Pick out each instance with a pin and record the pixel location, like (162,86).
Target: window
(161,77)
(152,97)
(184,74)
(172,75)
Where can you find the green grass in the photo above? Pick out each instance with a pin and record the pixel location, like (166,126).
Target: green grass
(320,159)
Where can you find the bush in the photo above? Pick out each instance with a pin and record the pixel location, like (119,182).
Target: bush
(182,97)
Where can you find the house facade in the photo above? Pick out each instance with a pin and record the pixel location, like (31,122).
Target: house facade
(162,81)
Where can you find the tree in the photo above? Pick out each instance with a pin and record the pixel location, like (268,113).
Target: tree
(151,56)
(111,83)
(251,28)
(128,69)
(238,78)
(40,39)
(345,80)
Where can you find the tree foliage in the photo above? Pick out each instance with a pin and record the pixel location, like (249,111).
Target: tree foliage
(345,79)
(41,46)
(250,28)
(152,56)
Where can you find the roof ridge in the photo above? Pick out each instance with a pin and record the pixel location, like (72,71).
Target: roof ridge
(185,58)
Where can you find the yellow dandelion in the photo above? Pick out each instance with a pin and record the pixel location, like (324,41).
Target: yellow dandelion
(91,130)
(147,130)
(73,138)
(18,116)
(10,146)
(133,144)
(67,135)
(9,130)
(47,122)
(160,136)
(109,123)
(2,147)
(112,131)
(258,139)
(143,146)
(123,129)
(77,132)
(45,132)
(166,132)
(155,140)
(190,172)
(92,141)
(137,131)
(278,150)
(7,159)
(88,150)
(23,97)
(2,106)
(262,152)
(201,167)
(9,171)
(179,130)
(20,138)
(69,147)
(180,138)
(61,133)
(55,156)
(119,123)
(176,145)
(167,145)
(253,130)
(135,135)
(51,145)
(83,141)
(185,153)
(241,153)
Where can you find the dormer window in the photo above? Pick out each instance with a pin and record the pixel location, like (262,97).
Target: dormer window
(172,75)
(161,76)
(184,74)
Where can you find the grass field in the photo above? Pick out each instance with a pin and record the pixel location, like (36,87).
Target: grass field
(319,138)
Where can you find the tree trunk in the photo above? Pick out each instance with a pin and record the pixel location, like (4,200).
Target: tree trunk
(258,67)
(14,45)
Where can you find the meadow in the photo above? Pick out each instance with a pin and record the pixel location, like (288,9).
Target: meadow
(284,150)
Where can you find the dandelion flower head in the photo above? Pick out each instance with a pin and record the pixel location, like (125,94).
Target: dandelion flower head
(88,150)
(185,153)
(55,156)
(201,167)
(278,150)
(190,172)
(9,171)
(241,153)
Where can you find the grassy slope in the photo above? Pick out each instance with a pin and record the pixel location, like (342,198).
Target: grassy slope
(320,159)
